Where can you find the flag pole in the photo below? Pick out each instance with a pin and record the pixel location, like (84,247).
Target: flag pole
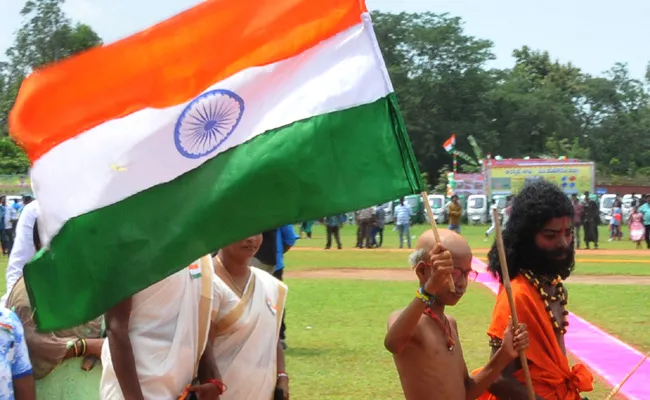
(455,161)
(628,376)
(505,276)
(434,228)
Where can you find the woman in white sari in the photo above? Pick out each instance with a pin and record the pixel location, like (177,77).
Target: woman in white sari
(247,311)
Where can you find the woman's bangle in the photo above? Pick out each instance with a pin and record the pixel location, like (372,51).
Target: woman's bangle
(220,385)
(80,347)
(283,375)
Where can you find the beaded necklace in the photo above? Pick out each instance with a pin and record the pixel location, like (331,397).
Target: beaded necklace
(446,327)
(560,294)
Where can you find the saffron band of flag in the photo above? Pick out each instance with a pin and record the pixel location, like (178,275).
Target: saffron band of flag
(450,144)
(137,196)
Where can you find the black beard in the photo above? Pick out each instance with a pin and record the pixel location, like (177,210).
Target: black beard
(550,263)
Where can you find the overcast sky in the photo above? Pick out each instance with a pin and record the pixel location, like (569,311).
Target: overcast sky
(593,34)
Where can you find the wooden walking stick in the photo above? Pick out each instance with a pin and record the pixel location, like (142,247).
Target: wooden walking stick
(617,388)
(505,276)
(434,228)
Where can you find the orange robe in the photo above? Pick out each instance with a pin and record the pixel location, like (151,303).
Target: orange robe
(552,377)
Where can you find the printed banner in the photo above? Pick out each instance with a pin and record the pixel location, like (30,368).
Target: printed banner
(570,177)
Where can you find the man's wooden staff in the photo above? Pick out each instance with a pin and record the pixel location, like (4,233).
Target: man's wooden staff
(434,228)
(628,376)
(505,276)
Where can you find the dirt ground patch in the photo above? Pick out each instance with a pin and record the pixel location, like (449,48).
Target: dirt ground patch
(479,252)
(407,275)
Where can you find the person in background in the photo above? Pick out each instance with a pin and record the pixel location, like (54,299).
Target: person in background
(591,218)
(637,230)
(378,228)
(615,221)
(306,228)
(7,214)
(645,210)
(24,247)
(493,206)
(333,225)
(455,211)
(16,376)
(286,239)
(364,238)
(403,222)
(506,212)
(578,217)
(2,226)
(61,357)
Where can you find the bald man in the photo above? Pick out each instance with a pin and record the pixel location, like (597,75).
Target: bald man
(424,341)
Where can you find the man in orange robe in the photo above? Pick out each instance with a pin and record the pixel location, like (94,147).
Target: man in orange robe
(540,254)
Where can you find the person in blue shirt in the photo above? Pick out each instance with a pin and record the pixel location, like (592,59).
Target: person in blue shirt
(270,257)
(16,377)
(286,239)
(3,240)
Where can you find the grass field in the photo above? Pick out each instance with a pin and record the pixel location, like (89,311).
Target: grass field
(336,330)
(336,327)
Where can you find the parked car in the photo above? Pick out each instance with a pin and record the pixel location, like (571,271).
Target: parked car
(437,202)
(606,205)
(627,205)
(389,217)
(477,209)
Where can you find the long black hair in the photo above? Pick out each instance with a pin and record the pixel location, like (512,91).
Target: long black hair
(37,237)
(537,203)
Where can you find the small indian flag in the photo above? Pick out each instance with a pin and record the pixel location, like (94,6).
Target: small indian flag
(229,119)
(450,144)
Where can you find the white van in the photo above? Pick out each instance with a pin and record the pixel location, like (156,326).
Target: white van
(389,218)
(606,205)
(627,205)
(477,209)
(437,202)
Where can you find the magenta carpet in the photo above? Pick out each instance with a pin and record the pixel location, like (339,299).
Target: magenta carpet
(608,356)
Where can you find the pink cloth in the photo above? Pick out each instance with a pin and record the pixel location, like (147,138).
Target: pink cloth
(637,230)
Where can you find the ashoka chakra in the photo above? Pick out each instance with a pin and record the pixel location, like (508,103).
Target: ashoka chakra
(207,122)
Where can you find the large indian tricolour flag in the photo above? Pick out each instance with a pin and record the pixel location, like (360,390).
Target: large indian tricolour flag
(234,117)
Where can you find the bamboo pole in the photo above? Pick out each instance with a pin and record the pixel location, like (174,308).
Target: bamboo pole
(628,376)
(434,228)
(505,276)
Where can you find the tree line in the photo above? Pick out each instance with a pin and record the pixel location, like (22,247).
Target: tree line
(540,107)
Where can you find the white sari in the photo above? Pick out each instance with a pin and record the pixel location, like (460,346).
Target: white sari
(168,334)
(246,332)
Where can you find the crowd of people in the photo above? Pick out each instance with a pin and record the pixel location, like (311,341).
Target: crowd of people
(214,330)
(9,214)
(587,218)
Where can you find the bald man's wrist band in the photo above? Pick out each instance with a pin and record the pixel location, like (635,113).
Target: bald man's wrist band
(427,298)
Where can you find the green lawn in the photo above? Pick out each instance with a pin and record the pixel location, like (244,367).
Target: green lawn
(336,330)
(303,259)
(336,327)
(620,309)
